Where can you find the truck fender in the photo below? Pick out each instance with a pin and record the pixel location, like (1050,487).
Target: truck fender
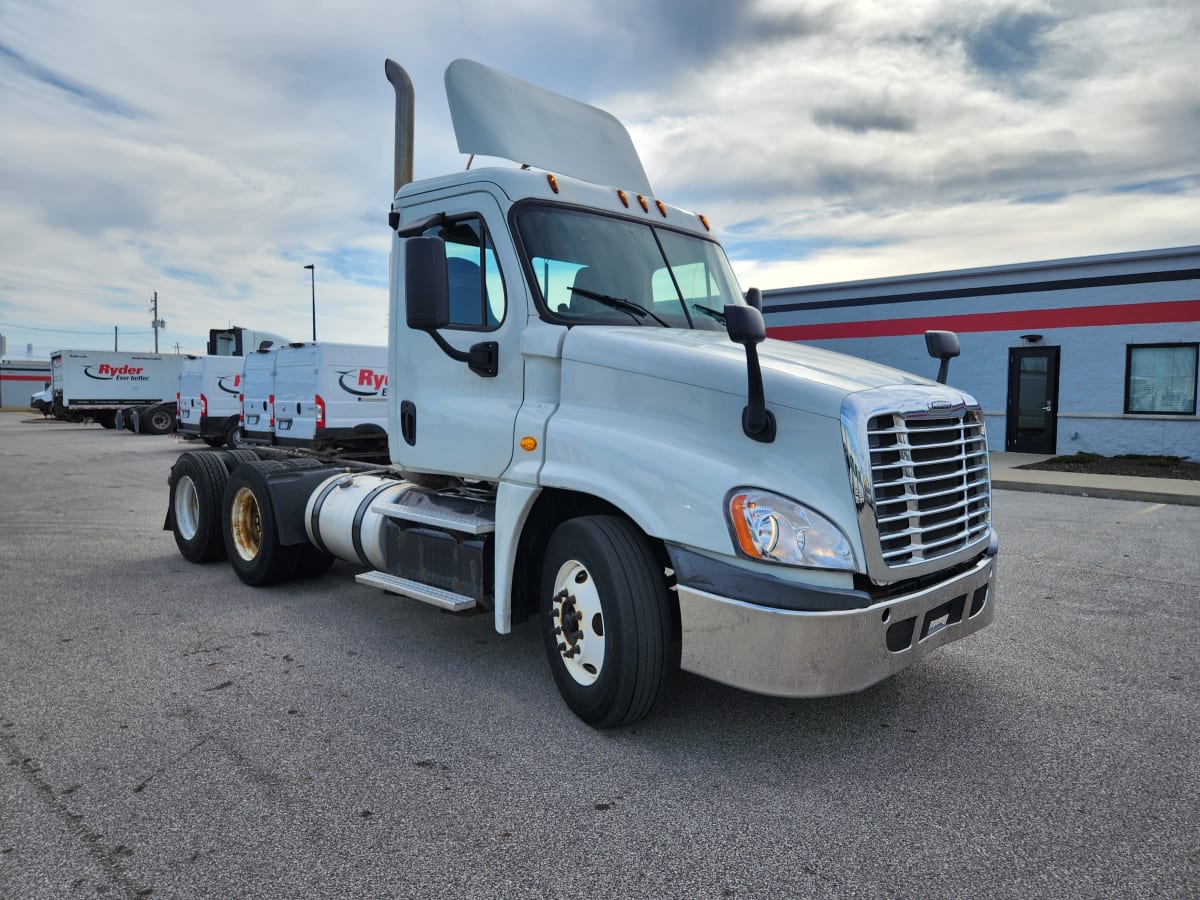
(514,502)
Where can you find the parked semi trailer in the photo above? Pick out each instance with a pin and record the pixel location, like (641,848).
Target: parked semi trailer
(588,427)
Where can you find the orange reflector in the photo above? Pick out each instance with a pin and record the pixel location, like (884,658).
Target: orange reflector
(662,207)
(704,222)
(645,205)
(738,507)
(624,197)
(553,182)
(528,443)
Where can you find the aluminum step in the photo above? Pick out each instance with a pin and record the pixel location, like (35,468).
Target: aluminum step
(435,596)
(442,518)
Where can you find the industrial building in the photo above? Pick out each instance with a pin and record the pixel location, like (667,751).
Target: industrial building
(1094,354)
(21,378)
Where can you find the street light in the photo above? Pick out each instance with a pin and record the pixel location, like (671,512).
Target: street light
(313,271)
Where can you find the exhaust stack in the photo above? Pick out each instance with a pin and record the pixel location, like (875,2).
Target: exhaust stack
(402,84)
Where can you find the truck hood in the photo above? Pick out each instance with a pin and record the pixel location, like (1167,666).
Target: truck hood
(794,375)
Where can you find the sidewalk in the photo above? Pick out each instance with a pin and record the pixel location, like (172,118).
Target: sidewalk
(1006,476)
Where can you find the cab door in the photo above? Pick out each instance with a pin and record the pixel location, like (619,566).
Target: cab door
(444,417)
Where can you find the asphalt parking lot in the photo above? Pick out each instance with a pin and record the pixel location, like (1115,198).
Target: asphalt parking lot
(167,731)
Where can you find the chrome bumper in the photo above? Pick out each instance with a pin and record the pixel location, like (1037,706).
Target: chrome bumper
(789,653)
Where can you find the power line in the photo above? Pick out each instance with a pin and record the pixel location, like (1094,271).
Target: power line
(64,330)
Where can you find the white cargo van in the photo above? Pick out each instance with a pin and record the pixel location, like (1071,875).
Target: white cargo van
(331,396)
(207,400)
(258,396)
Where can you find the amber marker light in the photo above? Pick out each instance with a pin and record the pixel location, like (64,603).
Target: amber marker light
(624,197)
(645,205)
(739,505)
(553,182)
(528,443)
(662,207)
(704,222)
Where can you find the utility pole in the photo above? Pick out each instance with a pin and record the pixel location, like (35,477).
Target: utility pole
(157,323)
(114,339)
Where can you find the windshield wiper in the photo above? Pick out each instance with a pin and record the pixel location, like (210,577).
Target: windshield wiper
(634,309)
(709,311)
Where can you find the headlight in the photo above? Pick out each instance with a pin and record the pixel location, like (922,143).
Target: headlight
(774,528)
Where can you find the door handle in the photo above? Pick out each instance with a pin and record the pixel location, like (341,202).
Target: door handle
(1047,408)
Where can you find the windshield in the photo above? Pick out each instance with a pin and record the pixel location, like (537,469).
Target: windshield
(600,269)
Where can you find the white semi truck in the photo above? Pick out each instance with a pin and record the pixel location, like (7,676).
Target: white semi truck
(588,428)
(95,384)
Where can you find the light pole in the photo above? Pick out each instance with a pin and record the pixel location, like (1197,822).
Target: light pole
(313,271)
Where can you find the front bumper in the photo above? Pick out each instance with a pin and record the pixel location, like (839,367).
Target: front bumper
(794,653)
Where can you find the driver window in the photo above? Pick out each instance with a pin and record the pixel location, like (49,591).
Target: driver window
(477,298)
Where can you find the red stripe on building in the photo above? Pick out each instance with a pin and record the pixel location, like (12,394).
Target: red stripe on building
(7,377)
(1020,320)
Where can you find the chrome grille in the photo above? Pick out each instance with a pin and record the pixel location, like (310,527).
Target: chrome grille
(930,485)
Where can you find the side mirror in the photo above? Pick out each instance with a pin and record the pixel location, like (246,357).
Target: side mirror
(745,326)
(426,284)
(427,303)
(942,345)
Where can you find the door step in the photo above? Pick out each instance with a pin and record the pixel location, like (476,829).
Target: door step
(405,587)
(438,516)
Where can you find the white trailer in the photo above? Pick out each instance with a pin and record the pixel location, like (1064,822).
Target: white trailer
(331,396)
(588,427)
(95,384)
(208,399)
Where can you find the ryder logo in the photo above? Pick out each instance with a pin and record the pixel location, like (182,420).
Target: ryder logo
(108,372)
(230,387)
(363,382)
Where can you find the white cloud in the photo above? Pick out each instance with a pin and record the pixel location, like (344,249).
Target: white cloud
(210,150)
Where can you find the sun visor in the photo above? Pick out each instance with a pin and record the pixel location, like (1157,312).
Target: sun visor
(495,114)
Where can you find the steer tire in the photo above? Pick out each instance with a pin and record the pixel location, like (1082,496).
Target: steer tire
(197,492)
(250,530)
(606,620)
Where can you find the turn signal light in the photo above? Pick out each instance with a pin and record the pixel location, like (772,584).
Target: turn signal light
(528,443)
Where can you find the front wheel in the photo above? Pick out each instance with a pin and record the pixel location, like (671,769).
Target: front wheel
(606,620)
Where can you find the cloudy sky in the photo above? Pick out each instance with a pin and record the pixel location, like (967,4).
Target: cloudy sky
(208,151)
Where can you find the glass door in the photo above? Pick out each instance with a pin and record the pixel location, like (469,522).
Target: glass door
(1032,419)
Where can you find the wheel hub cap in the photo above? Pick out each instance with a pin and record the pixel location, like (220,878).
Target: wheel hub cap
(578,622)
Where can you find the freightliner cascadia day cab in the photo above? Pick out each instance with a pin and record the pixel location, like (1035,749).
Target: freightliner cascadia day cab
(95,384)
(208,399)
(588,428)
(331,396)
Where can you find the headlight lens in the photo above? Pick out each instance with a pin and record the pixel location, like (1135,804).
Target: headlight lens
(774,528)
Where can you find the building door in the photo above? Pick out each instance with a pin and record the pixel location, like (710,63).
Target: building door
(1032,419)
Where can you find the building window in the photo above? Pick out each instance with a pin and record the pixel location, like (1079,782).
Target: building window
(1161,378)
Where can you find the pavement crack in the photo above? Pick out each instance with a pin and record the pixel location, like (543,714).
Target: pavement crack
(142,785)
(108,858)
